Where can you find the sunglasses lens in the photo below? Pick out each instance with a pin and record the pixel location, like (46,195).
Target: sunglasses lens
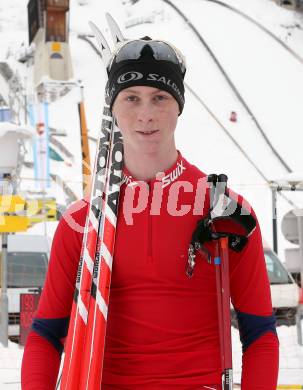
(130,51)
(161,51)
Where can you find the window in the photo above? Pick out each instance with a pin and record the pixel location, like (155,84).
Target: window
(5,114)
(55,26)
(26,269)
(276,272)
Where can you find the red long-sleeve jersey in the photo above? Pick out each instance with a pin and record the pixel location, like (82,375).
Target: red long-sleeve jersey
(162,329)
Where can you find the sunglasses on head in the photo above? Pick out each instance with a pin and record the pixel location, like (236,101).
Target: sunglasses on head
(161,51)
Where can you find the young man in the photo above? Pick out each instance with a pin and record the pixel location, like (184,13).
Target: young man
(162,329)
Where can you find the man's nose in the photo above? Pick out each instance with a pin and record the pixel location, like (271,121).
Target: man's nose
(146,113)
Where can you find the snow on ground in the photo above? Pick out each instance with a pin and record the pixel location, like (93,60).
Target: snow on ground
(10,366)
(291,360)
(291,356)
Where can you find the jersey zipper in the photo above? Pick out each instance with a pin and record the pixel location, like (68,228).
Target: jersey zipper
(149,226)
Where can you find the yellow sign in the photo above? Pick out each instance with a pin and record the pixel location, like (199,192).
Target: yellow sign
(56,46)
(41,210)
(11,203)
(13,224)
(32,211)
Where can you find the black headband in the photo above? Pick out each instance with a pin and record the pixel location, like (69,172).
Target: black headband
(148,72)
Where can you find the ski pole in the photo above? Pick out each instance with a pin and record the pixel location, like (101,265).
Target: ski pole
(221,261)
(223,294)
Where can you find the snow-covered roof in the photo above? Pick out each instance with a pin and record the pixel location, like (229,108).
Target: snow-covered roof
(23,131)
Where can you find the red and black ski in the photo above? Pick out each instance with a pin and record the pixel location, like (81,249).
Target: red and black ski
(84,347)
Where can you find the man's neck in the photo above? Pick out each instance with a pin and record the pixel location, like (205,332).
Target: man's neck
(145,166)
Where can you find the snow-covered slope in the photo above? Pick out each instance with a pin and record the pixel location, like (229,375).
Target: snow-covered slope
(266,75)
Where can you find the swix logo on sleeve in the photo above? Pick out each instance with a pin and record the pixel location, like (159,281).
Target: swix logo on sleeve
(177,172)
(129,76)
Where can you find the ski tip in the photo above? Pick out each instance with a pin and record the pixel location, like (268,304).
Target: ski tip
(99,36)
(93,27)
(110,18)
(105,49)
(114,29)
